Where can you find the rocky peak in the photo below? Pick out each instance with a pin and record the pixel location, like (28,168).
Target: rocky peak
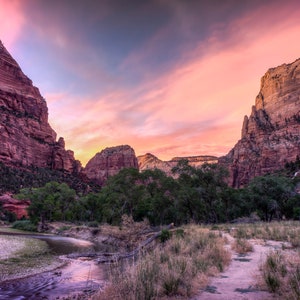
(109,162)
(26,137)
(270,135)
(151,162)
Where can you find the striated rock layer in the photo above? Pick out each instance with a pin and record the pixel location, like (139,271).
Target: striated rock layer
(109,162)
(271,134)
(26,137)
(18,207)
(151,162)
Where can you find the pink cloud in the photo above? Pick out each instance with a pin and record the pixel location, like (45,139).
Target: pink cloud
(198,106)
(11,22)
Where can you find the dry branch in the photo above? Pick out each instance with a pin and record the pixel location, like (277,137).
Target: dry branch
(113,257)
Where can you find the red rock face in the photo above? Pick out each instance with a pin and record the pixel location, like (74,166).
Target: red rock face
(109,162)
(151,162)
(25,135)
(271,135)
(18,207)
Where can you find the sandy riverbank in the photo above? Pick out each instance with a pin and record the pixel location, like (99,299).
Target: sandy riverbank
(22,257)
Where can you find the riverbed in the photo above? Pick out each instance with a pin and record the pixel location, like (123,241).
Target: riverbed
(75,277)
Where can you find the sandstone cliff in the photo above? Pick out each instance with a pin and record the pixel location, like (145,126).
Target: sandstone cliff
(151,162)
(18,207)
(26,137)
(271,134)
(109,162)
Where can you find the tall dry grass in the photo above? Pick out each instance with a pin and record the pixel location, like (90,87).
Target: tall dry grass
(177,268)
(280,274)
(287,231)
(242,246)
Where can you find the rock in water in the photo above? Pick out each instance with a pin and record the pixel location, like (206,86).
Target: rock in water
(109,162)
(26,137)
(271,134)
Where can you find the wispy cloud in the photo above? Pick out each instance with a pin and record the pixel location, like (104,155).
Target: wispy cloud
(182,90)
(11,22)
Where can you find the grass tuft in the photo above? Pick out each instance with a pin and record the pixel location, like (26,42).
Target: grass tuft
(242,246)
(281,274)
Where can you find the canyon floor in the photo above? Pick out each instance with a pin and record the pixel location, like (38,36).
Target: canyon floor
(241,279)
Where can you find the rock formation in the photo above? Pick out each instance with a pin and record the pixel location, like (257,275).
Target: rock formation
(18,207)
(25,135)
(109,162)
(271,135)
(151,162)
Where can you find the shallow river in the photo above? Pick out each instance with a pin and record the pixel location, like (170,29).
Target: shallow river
(76,276)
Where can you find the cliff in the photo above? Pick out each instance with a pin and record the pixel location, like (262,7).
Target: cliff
(18,207)
(271,134)
(109,162)
(26,137)
(150,162)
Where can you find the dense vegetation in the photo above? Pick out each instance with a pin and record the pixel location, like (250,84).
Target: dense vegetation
(15,178)
(198,195)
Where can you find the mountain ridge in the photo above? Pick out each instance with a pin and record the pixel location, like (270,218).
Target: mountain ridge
(270,136)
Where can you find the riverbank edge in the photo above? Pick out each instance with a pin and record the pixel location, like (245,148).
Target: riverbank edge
(50,263)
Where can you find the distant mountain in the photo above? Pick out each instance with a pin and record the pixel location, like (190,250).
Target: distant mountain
(271,134)
(109,162)
(151,162)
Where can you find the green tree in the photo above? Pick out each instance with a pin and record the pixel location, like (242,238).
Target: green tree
(121,195)
(270,195)
(202,191)
(52,202)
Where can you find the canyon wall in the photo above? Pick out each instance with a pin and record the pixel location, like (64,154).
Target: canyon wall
(26,137)
(271,134)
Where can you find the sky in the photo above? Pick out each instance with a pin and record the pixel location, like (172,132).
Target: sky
(169,77)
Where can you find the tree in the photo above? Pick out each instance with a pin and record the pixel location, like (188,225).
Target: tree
(52,202)
(270,195)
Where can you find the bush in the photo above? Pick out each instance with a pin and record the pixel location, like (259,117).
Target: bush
(165,235)
(9,216)
(93,224)
(24,225)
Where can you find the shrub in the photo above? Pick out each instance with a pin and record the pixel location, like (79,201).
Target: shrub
(24,225)
(165,235)
(93,224)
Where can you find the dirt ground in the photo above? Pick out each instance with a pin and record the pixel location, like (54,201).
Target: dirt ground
(239,281)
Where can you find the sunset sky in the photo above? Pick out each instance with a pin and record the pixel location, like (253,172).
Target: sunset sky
(169,77)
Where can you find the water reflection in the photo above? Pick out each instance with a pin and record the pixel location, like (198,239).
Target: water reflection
(65,245)
(76,276)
